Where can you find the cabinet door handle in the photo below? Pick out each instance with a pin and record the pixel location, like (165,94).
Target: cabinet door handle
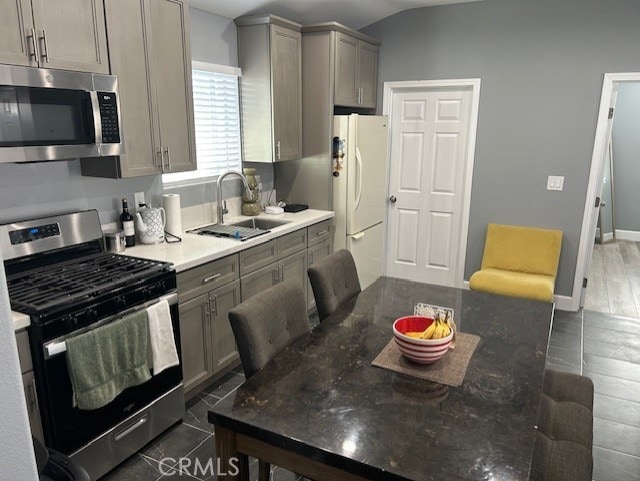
(169,158)
(45,48)
(310,258)
(276,275)
(215,306)
(278,150)
(161,152)
(322,232)
(211,278)
(33,47)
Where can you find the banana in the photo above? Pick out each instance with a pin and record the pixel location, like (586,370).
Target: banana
(441,331)
(428,332)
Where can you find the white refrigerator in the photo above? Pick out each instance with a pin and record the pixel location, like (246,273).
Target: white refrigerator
(359,190)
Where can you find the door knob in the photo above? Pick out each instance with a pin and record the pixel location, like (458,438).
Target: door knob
(392,199)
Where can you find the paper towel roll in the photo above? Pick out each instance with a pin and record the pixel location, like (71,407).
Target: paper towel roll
(171,204)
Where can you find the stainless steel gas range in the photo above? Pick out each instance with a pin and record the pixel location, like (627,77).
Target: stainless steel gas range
(60,275)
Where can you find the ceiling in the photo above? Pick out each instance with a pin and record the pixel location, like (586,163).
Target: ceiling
(352,13)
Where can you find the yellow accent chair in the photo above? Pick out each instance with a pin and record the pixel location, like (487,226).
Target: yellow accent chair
(519,262)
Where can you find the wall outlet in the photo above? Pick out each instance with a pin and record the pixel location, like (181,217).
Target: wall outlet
(138,198)
(555,182)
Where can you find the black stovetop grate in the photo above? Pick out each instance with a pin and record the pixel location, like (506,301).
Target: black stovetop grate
(69,281)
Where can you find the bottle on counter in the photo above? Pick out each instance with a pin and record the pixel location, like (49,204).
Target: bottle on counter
(127,225)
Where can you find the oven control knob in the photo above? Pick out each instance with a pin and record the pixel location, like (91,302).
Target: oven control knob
(91,315)
(120,302)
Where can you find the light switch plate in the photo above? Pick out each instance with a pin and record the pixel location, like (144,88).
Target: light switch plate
(555,182)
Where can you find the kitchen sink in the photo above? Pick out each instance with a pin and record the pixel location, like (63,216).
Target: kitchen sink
(243,230)
(259,223)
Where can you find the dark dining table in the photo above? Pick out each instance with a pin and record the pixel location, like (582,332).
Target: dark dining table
(320,409)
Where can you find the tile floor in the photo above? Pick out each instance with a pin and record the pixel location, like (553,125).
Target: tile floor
(601,346)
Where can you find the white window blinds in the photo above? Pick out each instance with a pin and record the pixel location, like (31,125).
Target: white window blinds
(216,109)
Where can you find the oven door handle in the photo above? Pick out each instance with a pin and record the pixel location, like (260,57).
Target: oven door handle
(58,346)
(132,428)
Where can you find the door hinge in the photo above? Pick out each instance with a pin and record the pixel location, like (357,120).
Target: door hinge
(597,202)
(610,113)
(584,282)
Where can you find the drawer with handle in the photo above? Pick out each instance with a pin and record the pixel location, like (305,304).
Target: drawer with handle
(259,256)
(319,232)
(291,243)
(208,276)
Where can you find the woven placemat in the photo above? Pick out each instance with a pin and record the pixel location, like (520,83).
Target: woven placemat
(449,370)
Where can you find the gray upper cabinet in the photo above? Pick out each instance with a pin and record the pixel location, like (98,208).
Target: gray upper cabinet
(356,67)
(342,62)
(172,71)
(65,34)
(270,56)
(149,51)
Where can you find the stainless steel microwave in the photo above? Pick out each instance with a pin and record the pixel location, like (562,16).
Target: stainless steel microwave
(56,114)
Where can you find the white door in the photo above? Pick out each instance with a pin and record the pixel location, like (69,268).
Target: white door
(366,171)
(593,221)
(430,129)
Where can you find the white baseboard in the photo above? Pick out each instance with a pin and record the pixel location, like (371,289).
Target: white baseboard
(563,303)
(630,235)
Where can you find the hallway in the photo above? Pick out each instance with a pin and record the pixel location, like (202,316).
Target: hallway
(614,279)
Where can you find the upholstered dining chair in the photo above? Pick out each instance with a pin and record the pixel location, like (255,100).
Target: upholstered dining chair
(334,280)
(264,325)
(564,437)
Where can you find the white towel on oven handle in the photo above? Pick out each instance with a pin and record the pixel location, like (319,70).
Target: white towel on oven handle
(163,345)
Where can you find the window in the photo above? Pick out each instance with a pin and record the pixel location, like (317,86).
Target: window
(216,109)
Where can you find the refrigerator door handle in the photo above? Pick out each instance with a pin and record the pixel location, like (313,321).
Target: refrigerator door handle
(357,236)
(359,176)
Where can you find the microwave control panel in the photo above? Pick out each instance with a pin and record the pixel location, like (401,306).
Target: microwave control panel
(109,117)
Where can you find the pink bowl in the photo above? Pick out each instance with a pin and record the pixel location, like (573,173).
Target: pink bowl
(421,351)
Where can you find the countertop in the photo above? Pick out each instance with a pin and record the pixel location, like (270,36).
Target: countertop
(321,397)
(195,249)
(20,321)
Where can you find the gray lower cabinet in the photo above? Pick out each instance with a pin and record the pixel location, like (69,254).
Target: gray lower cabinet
(315,253)
(33,409)
(291,267)
(207,293)
(273,262)
(225,352)
(29,384)
(195,335)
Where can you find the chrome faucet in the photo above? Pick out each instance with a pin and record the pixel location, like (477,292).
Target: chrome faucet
(223,210)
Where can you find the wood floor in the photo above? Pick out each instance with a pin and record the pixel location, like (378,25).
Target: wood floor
(614,279)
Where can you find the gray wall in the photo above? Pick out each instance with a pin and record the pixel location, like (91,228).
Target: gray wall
(32,190)
(18,460)
(626,157)
(542,64)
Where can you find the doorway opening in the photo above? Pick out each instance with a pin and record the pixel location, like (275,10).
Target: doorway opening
(608,267)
